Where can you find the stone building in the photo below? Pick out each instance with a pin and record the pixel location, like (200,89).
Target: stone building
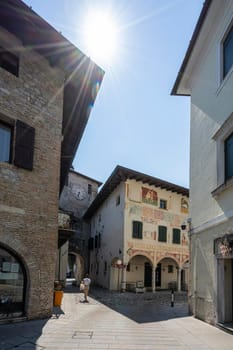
(46,92)
(206,75)
(136,236)
(77,195)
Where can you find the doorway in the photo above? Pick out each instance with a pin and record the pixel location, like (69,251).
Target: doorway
(147,275)
(158,276)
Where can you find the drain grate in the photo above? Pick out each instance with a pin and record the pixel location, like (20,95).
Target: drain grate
(82,335)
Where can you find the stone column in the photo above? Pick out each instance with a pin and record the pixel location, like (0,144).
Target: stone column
(153,278)
(179,279)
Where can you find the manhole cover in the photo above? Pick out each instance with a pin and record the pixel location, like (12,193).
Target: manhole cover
(82,335)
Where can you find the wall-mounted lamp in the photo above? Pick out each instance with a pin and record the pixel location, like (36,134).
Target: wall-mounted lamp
(184,224)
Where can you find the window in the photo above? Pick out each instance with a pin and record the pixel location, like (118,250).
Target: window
(23,145)
(99,240)
(137,229)
(170,269)
(162,234)
(91,243)
(105,267)
(5,142)
(227,48)
(118,200)
(89,189)
(9,61)
(223,138)
(229,157)
(176,236)
(163,204)
(96,241)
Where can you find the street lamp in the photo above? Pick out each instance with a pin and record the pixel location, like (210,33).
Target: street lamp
(118,264)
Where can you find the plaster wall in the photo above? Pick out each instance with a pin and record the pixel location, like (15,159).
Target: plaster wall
(211,287)
(211,105)
(108,221)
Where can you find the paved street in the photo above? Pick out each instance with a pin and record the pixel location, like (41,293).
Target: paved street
(116,321)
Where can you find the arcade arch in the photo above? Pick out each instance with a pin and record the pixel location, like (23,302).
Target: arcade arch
(13,284)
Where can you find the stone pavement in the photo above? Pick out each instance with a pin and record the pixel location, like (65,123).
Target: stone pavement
(116,321)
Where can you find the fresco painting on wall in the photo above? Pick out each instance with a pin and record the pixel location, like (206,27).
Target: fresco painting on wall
(149,196)
(184,206)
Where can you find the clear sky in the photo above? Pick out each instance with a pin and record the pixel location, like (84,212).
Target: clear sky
(135,121)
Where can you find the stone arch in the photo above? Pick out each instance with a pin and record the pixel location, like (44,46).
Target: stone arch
(13,295)
(168,256)
(167,272)
(77,267)
(141,254)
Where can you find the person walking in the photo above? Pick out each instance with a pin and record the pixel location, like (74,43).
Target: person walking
(86,282)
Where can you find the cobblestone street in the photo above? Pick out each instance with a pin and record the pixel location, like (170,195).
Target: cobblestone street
(114,320)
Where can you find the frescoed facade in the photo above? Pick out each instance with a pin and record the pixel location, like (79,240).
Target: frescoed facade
(136,236)
(207,76)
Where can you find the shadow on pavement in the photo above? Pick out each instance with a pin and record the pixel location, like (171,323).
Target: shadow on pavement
(141,307)
(24,335)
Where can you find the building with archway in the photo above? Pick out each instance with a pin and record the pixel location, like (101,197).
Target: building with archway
(136,236)
(47,90)
(77,195)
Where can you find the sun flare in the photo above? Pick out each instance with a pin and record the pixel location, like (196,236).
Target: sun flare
(100,32)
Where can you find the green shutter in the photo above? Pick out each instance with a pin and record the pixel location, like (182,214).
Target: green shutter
(176,236)
(162,234)
(137,229)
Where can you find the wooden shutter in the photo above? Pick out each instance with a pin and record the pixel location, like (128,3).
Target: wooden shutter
(162,233)
(176,235)
(24,145)
(137,229)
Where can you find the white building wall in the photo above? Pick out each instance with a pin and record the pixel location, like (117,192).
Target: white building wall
(211,106)
(108,221)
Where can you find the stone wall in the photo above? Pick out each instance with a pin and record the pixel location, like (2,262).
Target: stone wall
(29,199)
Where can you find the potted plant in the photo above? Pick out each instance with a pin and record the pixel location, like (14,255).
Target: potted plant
(58,293)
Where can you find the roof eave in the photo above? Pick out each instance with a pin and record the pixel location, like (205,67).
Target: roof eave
(177,90)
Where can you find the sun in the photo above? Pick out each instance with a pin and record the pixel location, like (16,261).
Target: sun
(100,35)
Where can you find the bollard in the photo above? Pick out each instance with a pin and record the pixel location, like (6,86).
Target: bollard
(172,301)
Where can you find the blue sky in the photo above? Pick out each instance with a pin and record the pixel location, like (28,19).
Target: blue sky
(135,121)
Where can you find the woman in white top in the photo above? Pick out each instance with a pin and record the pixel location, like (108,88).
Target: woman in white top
(86,282)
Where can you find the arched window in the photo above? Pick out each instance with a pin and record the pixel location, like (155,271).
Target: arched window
(12,285)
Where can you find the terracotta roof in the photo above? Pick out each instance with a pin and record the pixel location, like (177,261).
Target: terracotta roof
(121,174)
(192,43)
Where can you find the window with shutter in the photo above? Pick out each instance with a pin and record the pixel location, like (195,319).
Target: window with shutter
(5,142)
(9,61)
(137,229)
(176,236)
(162,234)
(24,145)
